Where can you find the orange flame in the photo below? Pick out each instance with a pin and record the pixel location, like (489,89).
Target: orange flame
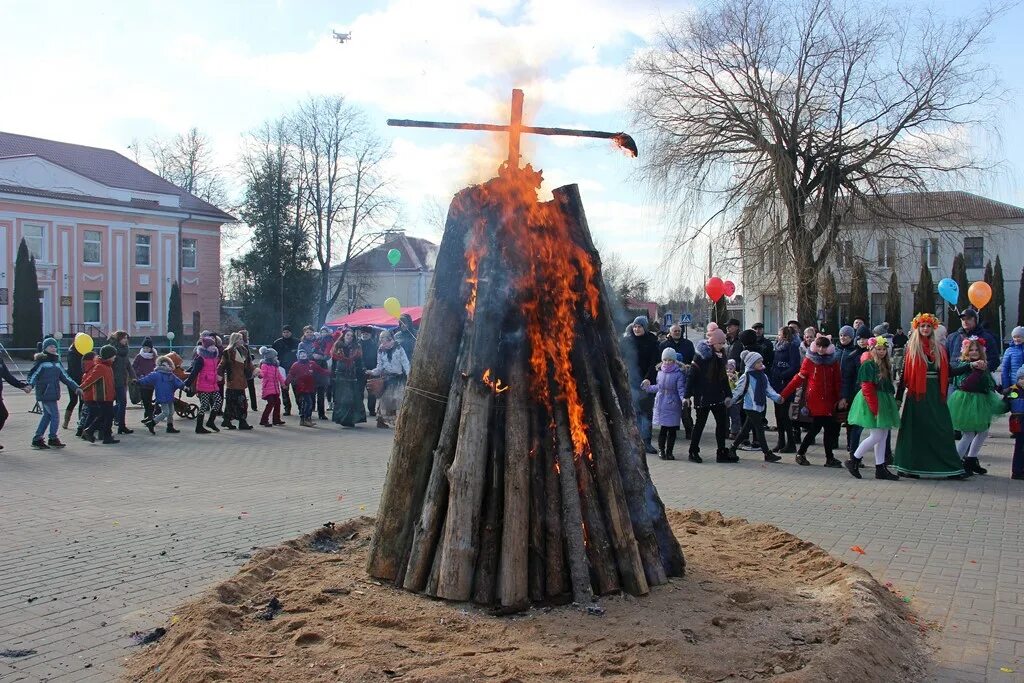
(496,385)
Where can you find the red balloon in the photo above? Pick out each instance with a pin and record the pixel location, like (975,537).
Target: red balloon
(729,287)
(715,288)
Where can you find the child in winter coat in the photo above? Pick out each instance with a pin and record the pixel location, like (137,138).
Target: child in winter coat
(203,381)
(874,409)
(820,371)
(974,403)
(236,367)
(303,376)
(735,412)
(6,376)
(708,389)
(143,364)
(46,376)
(670,392)
(752,392)
(272,379)
(1015,398)
(1013,358)
(164,383)
(99,392)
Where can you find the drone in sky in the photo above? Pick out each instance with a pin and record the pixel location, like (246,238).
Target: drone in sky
(342,37)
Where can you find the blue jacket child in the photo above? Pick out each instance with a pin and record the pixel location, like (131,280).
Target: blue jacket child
(753,386)
(163,380)
(1013,358)
(46,377)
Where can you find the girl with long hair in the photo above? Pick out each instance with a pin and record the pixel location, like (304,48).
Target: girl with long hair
(347,367)
(874,408)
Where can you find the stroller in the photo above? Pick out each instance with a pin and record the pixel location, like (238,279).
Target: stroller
(182,408)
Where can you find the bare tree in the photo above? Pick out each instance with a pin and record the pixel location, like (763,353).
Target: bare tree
(783,115)
(187,160)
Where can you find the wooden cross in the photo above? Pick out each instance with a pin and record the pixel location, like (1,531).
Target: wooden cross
(515,129)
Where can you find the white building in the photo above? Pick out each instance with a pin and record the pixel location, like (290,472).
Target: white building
(932,227)
(371,278)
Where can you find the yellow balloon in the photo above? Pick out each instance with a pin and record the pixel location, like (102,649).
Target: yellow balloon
(980,293)
(83,343)
(392,306)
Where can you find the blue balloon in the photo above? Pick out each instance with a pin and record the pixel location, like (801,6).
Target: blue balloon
(949,290)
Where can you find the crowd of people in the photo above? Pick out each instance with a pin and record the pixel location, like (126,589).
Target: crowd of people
(941,392)
(353,373)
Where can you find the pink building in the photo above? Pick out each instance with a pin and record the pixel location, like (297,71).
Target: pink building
(109,238)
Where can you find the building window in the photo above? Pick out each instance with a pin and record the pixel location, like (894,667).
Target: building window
(35,239)
(878,309)
(930,251)
(188,253)
(91,303)
(974,252)
(142,249)
(770,315)
(843,308)
(886,253)
(844,254)
(92,247)
(143,307)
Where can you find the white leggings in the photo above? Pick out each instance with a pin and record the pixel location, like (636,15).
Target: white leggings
(970,444)
(873,438)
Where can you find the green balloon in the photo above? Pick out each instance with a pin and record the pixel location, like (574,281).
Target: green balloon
(394,256)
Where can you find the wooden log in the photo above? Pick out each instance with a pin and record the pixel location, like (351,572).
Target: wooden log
(572,514)
(599,550)
(435,567)
(537,507)
(485,576)
(515,549)
(646,510)
(420,417)
(435,501)
(554,546)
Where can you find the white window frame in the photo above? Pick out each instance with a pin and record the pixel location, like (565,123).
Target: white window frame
(886,253)
(41,256)
(99,247)
(149,303)
(930,251)
(149,250)
(86,301)
(981,263)
(844,254)
(195,253)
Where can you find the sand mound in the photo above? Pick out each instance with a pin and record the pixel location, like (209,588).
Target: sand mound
(756,603)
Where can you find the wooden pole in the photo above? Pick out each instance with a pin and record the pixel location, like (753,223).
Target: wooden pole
(515,552)
(572,515)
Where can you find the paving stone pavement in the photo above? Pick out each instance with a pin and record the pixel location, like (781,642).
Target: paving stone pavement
(97,542)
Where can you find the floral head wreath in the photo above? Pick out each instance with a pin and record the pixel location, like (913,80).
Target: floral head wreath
(965,344)
(924,319)
(878,341)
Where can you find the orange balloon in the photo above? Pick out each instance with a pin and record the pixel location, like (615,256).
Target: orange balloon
(979,294)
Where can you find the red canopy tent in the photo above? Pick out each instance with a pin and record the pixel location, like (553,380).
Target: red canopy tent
(375,317)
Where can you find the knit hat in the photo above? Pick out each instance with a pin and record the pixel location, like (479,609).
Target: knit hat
(716,336)
(49,341)
(712,326)
(881,330)
(268,353)
(668,353)
(108,352)
(642,321)
(847,331)
(286,328)
(206,340)
(863,332)
(147,343)
(750,359)
(1017,332)
(748,337)
(302,354)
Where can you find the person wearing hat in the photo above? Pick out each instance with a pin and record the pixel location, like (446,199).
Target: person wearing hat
(46,376)
(286,346)
(303,376)
(708,389)
(236,368)
(202,380)
(874,410)
(368,345)
(765,347)
(752,393)
(971,327)
(669,392)
(641,353)
(732,331)
(143,364)
(272,378)
(123,375)
(1013,357)
(848,353)
(1014,394)
(163,383)
(406,334)
(684,356)
(99,392)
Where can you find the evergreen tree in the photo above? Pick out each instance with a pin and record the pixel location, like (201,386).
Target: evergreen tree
(959,275)
(893,303)
(859,305)
(26,313)
(987,276)
(175,323)
(998,323)
(829,301)
(924,296)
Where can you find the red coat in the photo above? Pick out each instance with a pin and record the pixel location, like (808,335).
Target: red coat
(302,375)
(98,381)
(823,386)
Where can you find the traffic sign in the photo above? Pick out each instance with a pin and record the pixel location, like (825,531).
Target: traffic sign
(668,319)
(686,319)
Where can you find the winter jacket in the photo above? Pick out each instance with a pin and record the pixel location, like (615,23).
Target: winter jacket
(391,361)
(47,375)
(785,364)
(309,347)
(766,348)
(122,367)
(1013,360)
(708,384)
(739,347)
(164,384)
(286,349)
(955,341)
(272,378)
(98,381)
(142,365)
(823,383)
(746,389)
(203,376)
(849,366)
(369,347)
(683,348)
(670,391)
(347,362)
(236,372)
(303,376)
(75,369)
(642,355)
(323,346)
(6,376)
(408,342)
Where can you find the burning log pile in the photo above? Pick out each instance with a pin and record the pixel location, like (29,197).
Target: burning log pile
(518,473)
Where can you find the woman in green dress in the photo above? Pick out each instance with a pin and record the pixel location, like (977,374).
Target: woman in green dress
(974,403)
(874,408)
(925,446)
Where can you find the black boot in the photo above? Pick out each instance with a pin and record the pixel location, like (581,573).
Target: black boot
(150,425)
(226,424)
(853,467)
(243,425)
(801,459)
(973,465)
(695,456)
(200,429)
(882,472)
(727,455)
(771,457)
(121,429)
(172,430)
(651,450)
(211,423)
(830,461)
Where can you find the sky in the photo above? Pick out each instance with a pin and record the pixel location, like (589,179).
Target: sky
(106,73)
